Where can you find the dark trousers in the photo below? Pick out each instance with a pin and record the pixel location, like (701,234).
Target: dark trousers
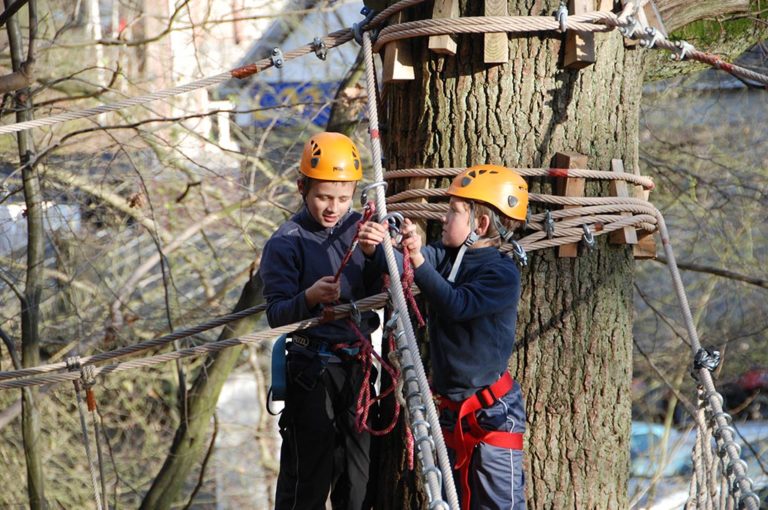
(322,452)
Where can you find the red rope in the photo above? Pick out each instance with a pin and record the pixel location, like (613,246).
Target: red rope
(370,208)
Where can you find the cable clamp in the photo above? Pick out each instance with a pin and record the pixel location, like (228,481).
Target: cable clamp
(320,49)
(649,37)
(519,254)
(708,358)
(682,48)
(549,224)
(368,188)
(562,17)
(73,363)
(628,30)
(277,57)
(588,237)
(749,495)
(357,28)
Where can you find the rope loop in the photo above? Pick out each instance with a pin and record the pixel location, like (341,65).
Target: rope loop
(88,375)
(357,28)
(748,495)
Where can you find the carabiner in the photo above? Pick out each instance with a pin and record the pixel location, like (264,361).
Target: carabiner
(395,221)
(519,253)
(366,189)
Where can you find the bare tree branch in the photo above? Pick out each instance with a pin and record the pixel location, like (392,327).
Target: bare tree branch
(731,275)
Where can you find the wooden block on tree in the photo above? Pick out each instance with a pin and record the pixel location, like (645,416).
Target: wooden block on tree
(496,48)
(421,224)
(627,235)
(579,47)
(646,242)
(653,17)
(570,187)
(398,62)
(444,44)
(606,5)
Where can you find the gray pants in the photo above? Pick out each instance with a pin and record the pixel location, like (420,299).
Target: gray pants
(496,477)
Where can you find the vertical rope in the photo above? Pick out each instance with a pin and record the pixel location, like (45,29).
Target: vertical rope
(86,442)
(404,324)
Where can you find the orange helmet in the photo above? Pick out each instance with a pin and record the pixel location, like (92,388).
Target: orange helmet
(331,157)
(495,185)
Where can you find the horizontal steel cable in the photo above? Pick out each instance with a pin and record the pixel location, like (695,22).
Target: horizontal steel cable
(136,348)
(339,311)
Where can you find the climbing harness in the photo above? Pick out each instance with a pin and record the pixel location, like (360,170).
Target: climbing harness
(464,442)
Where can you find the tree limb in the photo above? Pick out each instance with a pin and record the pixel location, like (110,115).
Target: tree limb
(678,13)
(700,268)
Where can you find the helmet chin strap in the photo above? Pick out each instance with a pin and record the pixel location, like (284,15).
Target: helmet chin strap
(469,241)
(505,234)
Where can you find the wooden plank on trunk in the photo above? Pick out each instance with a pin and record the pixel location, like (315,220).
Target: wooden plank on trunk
(398,62)
(627,235)
(496,49)
(444,44)
(570,187)
(579,47)
(646,242)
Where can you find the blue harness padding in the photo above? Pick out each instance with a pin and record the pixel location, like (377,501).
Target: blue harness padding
(278,387)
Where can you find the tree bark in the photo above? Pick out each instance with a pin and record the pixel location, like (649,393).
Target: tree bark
(30,306)
(190,439)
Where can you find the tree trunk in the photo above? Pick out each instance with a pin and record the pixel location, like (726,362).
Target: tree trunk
(574,349)
(192,433)
(30,306)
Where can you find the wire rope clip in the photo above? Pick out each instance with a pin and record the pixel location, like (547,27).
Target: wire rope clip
(706,357)
(549,224)
(649,37)
(628,30)
(561,15)
(277,57)
(588,237)
(320,49)
(682,48)
(368,188)
(391,324)
(518,252)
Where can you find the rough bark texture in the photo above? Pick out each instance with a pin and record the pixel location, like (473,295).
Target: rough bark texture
(574,331)
(192,434)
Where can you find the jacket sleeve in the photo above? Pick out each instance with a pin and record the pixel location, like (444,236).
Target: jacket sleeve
(491,291)
(281,267)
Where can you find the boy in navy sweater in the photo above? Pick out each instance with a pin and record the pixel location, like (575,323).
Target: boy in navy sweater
(472,291)
(322,451)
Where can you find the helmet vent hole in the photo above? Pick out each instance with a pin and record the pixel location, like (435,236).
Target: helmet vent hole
(481,172)
(472,174)
(314,161)
(465,181)
(357,164)
(512,200)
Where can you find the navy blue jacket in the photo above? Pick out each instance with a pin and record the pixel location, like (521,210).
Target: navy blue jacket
(301,252)
(471,323)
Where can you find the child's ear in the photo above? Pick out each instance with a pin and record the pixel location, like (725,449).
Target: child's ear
(483,223)
(300,186)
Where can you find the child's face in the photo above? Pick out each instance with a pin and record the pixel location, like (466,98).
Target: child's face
(456,223)
(328,201)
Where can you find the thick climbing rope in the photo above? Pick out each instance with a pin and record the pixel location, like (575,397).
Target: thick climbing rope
(427,433)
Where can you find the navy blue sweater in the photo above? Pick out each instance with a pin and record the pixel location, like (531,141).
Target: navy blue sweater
(298,254)
(471,322)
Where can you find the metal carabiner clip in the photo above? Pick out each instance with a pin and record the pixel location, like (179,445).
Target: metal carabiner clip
(395,221)
(368,188)
(519,253)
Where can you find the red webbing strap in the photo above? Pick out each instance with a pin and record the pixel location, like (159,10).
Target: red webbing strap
(463,443)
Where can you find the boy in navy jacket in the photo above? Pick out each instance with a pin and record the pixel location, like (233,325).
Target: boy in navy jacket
(322,451)
(472,291)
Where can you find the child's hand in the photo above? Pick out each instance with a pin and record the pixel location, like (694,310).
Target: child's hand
(324,290)
(371,235)
(412,243)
